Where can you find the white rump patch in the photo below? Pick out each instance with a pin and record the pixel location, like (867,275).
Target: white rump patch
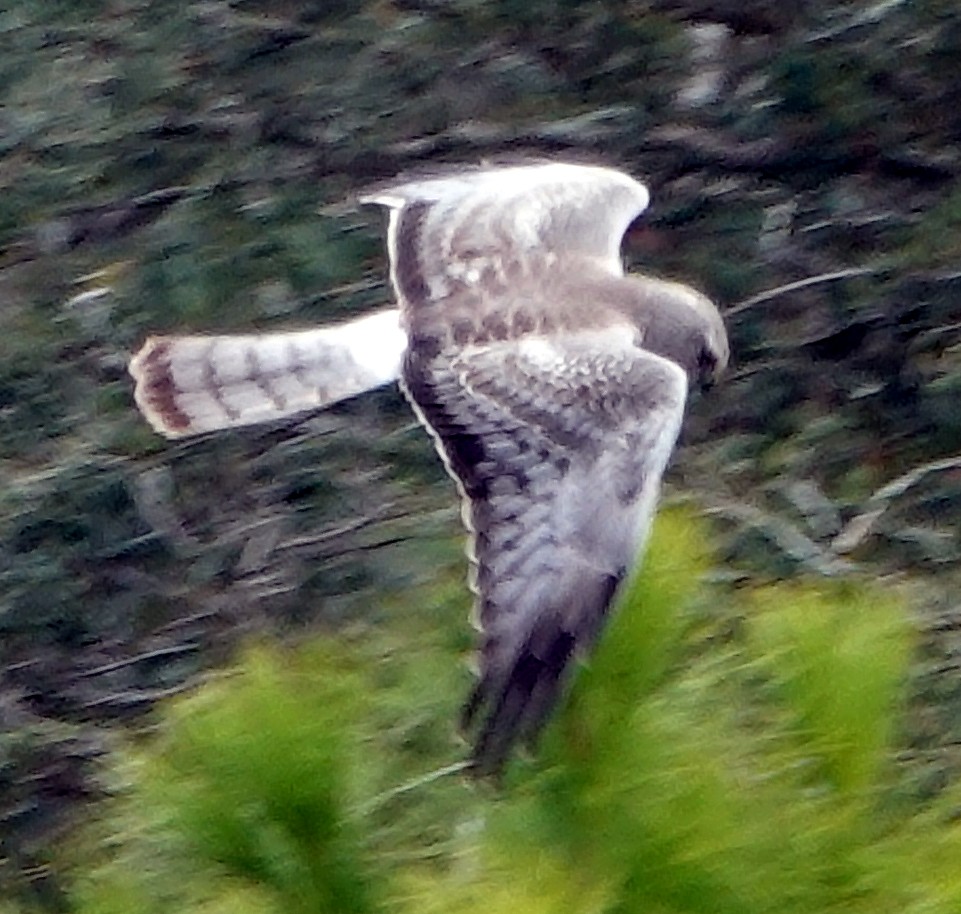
(376,343)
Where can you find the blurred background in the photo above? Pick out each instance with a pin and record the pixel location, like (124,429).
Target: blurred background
(190,166)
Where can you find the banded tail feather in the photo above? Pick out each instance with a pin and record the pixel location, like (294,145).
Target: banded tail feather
(187,385)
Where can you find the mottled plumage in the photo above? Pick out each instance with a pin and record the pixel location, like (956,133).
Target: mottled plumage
(554,388)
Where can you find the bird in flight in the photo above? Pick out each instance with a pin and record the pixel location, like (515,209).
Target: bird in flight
(553,385)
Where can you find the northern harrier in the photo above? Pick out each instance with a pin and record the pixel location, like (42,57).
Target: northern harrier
(553,386)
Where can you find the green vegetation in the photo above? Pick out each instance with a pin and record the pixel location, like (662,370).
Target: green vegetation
(722,754)
(189,165)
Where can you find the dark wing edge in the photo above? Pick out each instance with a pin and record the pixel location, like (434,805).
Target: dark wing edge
(513,706)
(558,448)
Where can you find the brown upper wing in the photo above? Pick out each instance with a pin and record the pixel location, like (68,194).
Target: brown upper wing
(447,234)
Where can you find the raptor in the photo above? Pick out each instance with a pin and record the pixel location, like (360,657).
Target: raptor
(552,384)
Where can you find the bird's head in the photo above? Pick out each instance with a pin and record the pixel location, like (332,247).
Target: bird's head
(712,358)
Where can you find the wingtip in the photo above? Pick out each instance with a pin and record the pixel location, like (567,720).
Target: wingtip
(377,198)
(512,710)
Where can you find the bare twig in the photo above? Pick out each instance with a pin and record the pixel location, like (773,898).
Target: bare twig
(791,541)
(383,513)
(365,547)
(805,283)
(383,798)
(857,529)
(367,284)
(862,17)
(160,652)
(132,698)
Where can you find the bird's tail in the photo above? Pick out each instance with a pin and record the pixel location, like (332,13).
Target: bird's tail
(187,385)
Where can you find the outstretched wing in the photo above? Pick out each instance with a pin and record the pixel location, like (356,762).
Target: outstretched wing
(558,445)
(555,424)
(186,385)
(481,227)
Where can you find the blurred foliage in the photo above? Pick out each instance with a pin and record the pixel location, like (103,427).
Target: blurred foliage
(191,165)
(719,754)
